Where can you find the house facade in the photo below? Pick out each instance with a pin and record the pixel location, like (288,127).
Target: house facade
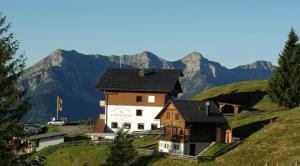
(191,126)
(133,97)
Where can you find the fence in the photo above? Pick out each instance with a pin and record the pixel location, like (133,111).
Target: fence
(148,132)
(179,156)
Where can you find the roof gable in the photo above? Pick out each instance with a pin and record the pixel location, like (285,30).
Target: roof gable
(195,111)
(148,80)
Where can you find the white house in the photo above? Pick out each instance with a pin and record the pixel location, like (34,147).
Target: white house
(133,97)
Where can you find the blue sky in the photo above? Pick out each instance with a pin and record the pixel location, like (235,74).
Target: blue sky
(230,32)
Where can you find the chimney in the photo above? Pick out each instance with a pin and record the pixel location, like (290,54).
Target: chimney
(207,107)
(142,73)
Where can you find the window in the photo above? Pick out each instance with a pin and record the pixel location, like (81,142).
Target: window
(165,145)
(180,132)
(176,116)
(168,115)
(127,125)
(151,99)
(114,125)
(141,126)
(139,99)
(153,126)
(176,146)
(139,112)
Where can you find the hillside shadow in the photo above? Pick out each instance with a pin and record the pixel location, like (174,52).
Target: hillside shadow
(246,99)
(246,130)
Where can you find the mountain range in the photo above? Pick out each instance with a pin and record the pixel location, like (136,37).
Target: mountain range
(73,76)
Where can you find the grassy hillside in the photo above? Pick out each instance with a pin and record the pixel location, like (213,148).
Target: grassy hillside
(249,94)
(276,143)
(268,137)
(246,86)
(78,155)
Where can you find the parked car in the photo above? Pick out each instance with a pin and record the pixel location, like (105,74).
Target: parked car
(57,123)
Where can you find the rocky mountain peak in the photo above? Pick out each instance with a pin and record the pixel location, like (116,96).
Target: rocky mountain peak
(73,76)
(193,56)
(257,65)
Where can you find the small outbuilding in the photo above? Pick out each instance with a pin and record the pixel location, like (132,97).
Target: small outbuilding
(40,141)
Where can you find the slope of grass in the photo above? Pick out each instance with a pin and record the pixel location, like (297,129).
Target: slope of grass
(144,141)
(246,86)
(251,95)
(263,140)
(276,143)
(78,155)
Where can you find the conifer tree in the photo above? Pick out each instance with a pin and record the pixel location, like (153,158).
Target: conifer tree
(121,150)
(13,104)
(284,85)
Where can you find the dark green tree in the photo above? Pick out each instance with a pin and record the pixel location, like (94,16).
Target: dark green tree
(13,104)
(121,149)
(284,85)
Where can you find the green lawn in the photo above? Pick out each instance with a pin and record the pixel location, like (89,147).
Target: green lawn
(265,103)
(42,151)
(78,155)
(144,141)
(51,129)
(215,148)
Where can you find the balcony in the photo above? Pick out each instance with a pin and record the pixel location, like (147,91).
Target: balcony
(174,138)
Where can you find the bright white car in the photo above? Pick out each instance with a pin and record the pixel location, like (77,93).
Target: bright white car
(57,123)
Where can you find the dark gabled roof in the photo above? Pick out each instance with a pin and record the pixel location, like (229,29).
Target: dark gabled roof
(195,112)
(130,79)
(47,135)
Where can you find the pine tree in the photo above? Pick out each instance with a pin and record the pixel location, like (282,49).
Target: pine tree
(13,104)
(284,86)
(121,150)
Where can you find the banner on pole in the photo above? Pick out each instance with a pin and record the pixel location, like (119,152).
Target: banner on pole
(59,104)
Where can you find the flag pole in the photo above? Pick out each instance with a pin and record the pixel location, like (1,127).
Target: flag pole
(57,107)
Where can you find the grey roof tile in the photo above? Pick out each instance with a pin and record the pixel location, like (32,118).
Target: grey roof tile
(129,79)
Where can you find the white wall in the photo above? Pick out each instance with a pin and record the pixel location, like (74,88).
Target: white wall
(168,147)
(50,141)
(122,114)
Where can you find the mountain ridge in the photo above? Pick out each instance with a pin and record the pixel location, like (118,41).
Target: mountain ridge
(73,76)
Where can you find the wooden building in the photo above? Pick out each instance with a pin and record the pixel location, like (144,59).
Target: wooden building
(190,126)
(133,97)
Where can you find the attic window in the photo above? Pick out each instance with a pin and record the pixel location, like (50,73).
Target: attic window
(139,99)
(176,116)
(151,99)
(168,115)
